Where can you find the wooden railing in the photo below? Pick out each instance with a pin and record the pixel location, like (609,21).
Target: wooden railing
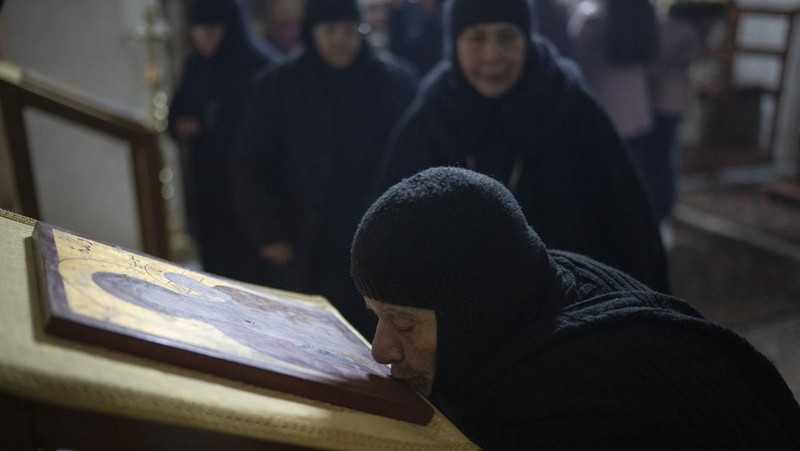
(20,90)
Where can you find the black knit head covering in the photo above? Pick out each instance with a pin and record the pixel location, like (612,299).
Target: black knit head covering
(456,242)
(230,15)
(460,14)
(319,11)
(465,13)
(213,12)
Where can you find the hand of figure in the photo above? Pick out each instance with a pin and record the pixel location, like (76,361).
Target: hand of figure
(279,254)
(187,127)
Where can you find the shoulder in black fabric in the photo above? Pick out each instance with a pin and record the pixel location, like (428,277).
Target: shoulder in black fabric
(624,369)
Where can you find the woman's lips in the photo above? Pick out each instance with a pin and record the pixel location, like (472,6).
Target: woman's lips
(408,379)
(418,383)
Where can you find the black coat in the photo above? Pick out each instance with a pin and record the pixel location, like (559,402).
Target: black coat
(614,366)
(309,148)
(213,90)
(576,183)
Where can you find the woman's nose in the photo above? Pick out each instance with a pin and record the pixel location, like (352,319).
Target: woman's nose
(386,348)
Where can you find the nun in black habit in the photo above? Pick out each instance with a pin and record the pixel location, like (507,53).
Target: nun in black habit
(527,348)
(506,105)
(205,115)
(312,139)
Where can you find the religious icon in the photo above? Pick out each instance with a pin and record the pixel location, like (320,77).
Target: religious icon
(132,302)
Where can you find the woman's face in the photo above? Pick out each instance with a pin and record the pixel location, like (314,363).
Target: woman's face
(492,57)
(406,339)
(337,43)
(206,38)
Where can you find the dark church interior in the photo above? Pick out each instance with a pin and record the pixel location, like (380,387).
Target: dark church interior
(99,119)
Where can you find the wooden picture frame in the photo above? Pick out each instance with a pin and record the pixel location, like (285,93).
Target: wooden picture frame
(132,302)
(21,90)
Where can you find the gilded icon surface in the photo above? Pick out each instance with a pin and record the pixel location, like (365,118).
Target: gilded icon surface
(121,299)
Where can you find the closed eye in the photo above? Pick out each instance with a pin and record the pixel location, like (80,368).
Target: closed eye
(404,325)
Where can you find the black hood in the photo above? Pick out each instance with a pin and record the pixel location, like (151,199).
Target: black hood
(229,14)
(482,269)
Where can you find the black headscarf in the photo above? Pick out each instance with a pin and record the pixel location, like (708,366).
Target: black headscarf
(320,11)
(229,14)
(479,264)
(327,80)
(461,14)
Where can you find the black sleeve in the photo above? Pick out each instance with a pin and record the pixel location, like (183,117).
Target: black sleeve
(255,166)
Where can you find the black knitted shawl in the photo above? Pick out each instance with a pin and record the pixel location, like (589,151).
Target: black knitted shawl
(621,367)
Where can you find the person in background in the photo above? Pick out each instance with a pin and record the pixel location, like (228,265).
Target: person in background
(614,42)
(672,93)
(311,141)
(504,104)
(283,33)
(415,32)
(415,29)
(523,347)
(205,115)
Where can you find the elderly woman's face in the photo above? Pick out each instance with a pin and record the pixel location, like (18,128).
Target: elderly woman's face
(492,57)
(406,340)
(337,43)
